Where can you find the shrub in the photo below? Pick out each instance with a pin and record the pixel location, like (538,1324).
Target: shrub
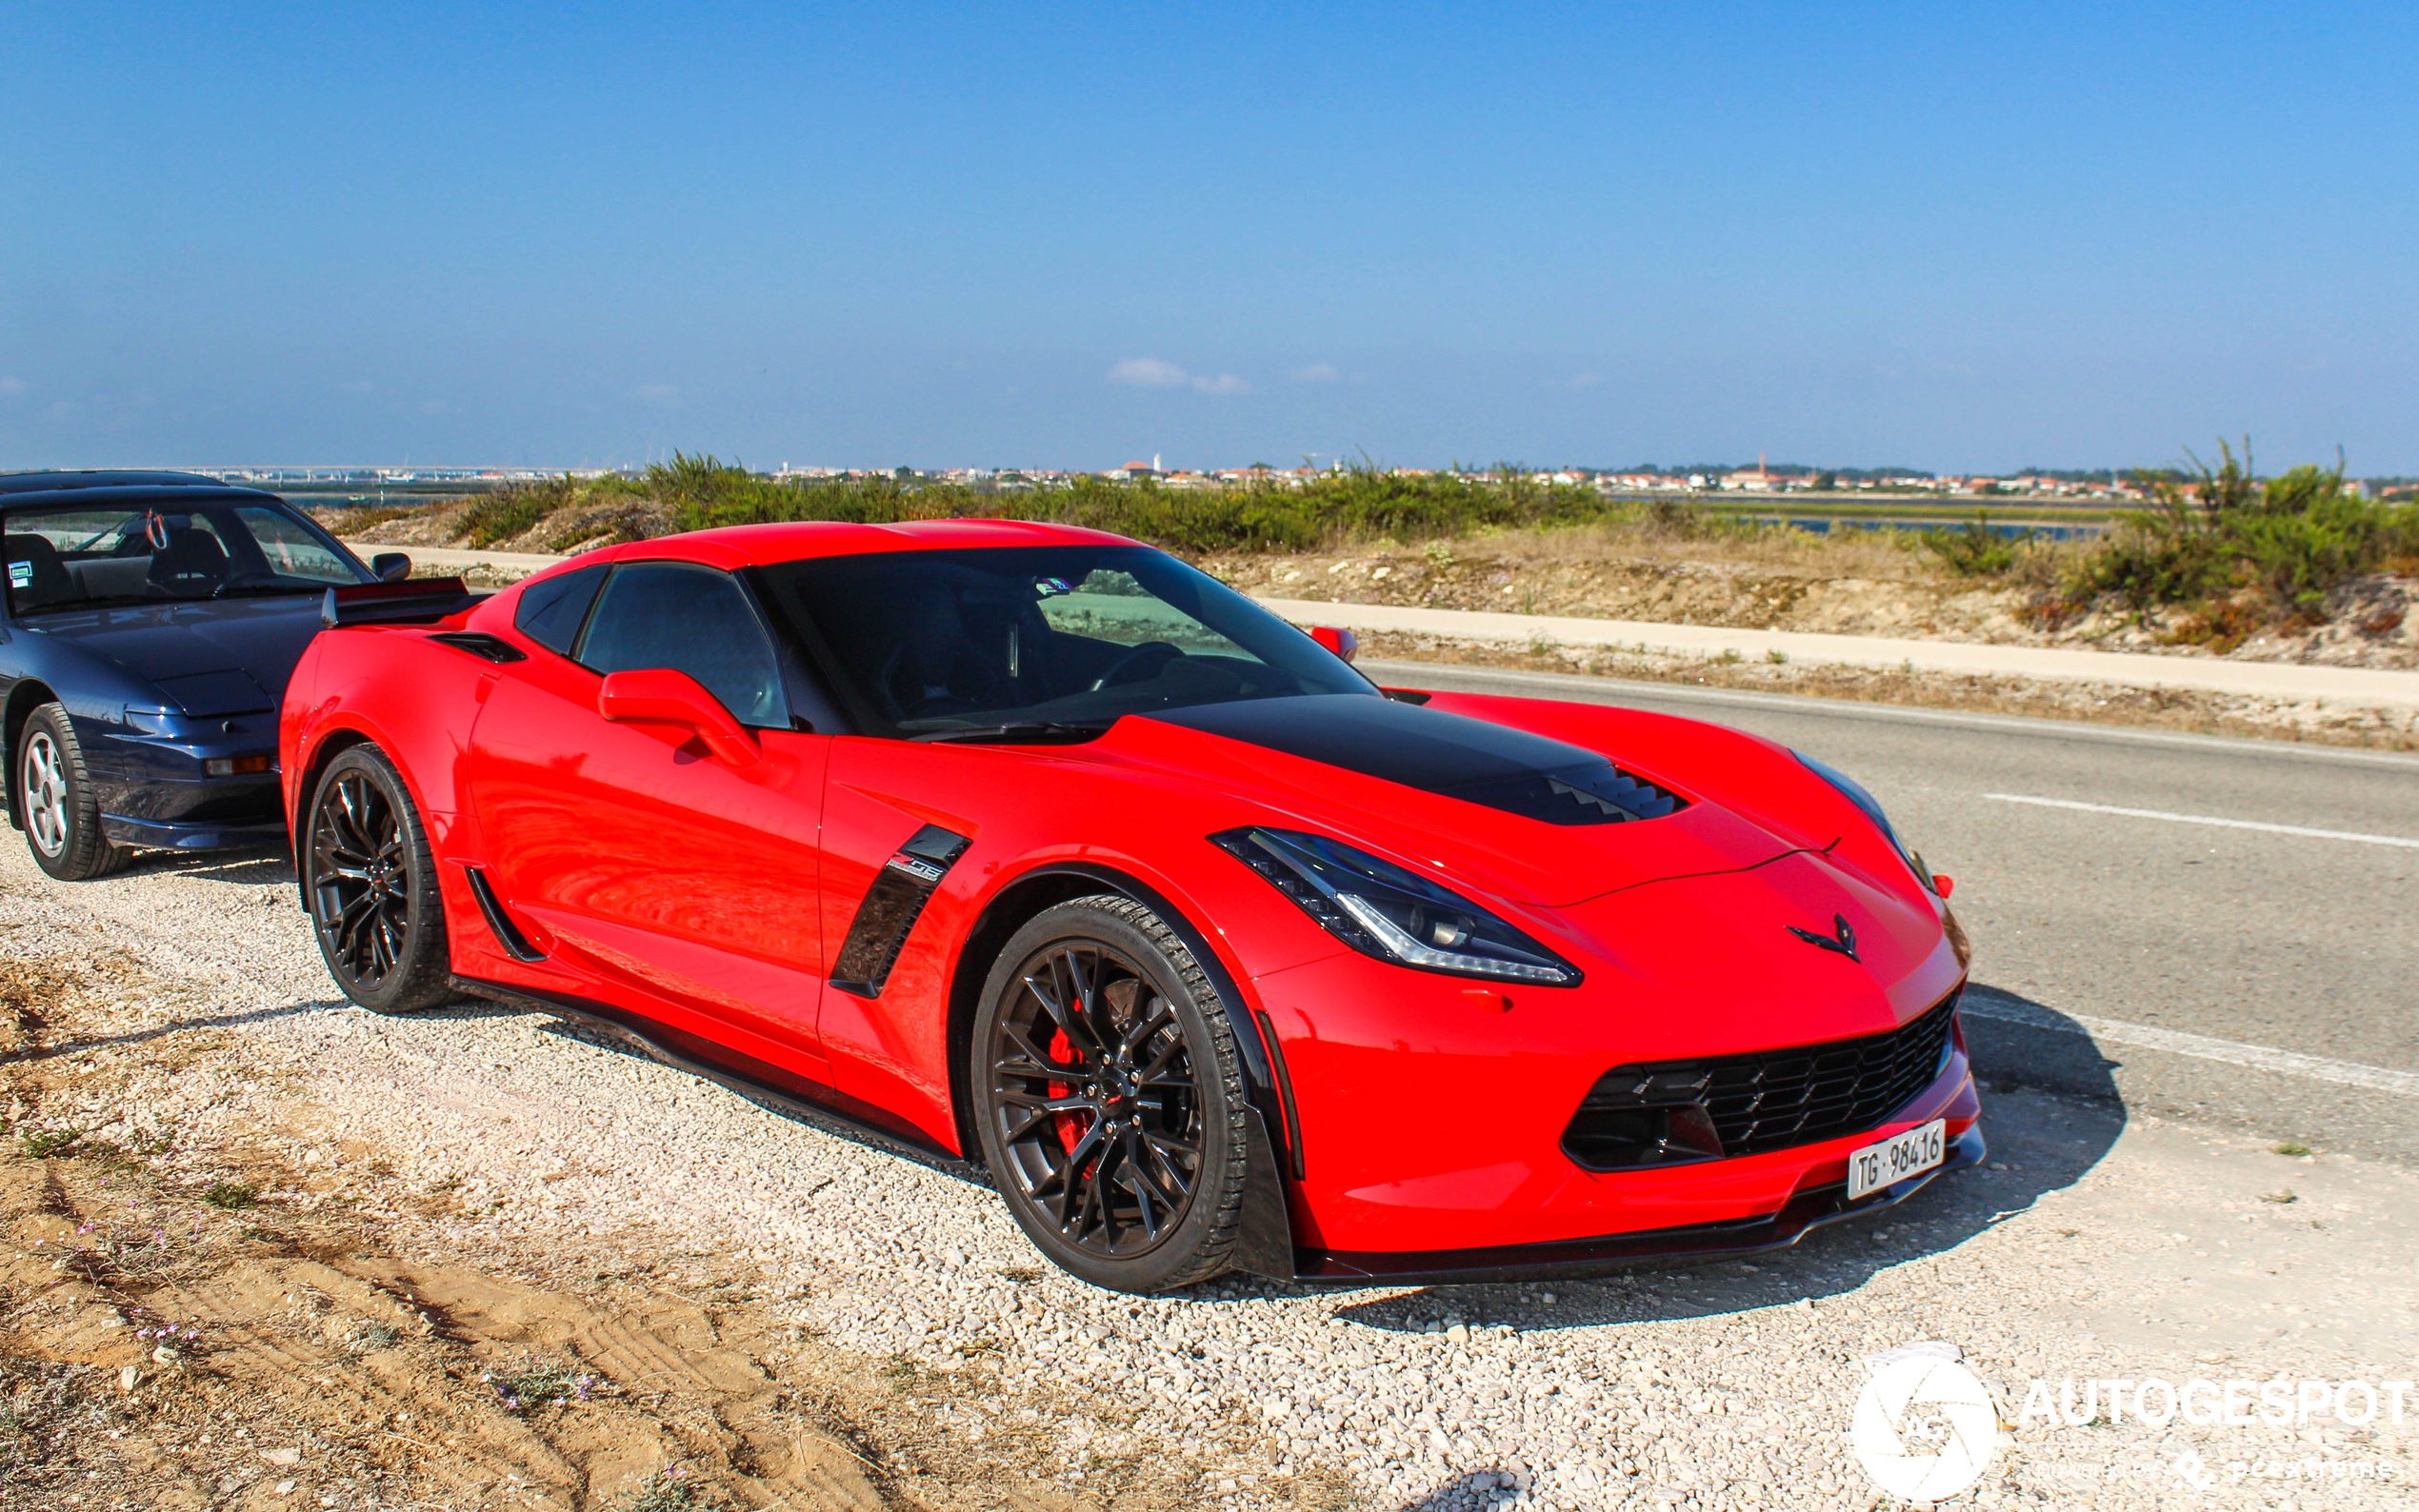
(1357,502)
(2292,539)
(515,507)
(43,1144)
(231,1196)
(1974,550)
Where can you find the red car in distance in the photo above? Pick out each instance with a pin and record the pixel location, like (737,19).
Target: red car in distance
(1036,849)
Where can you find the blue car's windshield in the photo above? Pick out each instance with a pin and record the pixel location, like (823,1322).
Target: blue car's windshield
(942,644)
(86,555)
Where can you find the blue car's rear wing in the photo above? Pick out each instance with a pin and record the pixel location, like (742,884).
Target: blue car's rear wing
(414,600)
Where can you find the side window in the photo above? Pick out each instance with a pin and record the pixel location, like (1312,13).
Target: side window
(691,619)
(292,551)
(551,612)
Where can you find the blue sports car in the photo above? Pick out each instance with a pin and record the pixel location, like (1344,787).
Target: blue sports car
(152,620)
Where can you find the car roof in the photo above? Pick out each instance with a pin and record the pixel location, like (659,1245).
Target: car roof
(100,478)
(764,545)
(106,486)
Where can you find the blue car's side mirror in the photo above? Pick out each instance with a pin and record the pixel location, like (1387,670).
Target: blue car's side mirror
(392,566)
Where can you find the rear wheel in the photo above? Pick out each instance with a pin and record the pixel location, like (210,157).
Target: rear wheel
(55,802)
(373,886)
(1109,1098)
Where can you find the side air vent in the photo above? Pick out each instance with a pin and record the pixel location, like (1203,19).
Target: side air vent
(1676,1111)
(499,922)
(488,647)
(892,905)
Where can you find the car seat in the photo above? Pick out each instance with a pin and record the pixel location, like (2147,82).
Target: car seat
(36,576)
(191,562)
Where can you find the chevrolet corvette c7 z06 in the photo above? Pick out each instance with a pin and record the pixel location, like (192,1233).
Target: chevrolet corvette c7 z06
(1039,850)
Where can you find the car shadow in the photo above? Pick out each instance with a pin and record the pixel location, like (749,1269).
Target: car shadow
(613,1040)
(142,1036)
(259,866)
(1472,1491)
(2051,1112)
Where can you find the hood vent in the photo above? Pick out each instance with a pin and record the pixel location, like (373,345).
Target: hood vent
(1449,755)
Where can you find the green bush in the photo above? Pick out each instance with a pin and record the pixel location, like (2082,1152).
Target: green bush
(1358,503)
(1974,550)
(2291,540)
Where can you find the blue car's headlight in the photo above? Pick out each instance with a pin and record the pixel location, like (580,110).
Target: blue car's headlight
(1855,792)
(1380,910)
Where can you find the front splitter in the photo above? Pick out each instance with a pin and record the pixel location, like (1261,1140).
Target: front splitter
(1696,1244)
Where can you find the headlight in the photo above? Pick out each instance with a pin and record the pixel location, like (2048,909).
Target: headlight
(1855,792)
(1380,910)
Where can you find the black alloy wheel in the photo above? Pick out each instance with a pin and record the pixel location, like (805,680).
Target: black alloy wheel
(1109,1097)
(372,887)
(54,803)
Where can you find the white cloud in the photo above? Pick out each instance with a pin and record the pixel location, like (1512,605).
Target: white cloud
(1586,380)
(12,386)
(658,393)
(1318,372)
(1157,372)
(433,407)
(1148,372)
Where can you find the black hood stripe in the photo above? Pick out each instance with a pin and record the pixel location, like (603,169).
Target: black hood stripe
(1449,755)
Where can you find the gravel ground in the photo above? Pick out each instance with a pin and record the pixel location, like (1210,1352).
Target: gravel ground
(2091,1247)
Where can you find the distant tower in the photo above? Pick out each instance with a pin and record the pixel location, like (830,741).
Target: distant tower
(1155,461)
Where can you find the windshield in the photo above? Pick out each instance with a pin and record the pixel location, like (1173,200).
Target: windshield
(926,644)
(83,555)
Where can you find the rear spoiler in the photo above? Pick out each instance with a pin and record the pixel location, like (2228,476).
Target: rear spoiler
(414,600)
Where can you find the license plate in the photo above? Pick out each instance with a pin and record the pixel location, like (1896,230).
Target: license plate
(1897,1158)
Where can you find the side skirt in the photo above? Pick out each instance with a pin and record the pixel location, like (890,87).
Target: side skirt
(759,1082)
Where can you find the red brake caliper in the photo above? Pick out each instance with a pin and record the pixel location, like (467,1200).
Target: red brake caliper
(1070,1125)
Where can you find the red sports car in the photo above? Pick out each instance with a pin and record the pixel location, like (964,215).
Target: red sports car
(1039,850)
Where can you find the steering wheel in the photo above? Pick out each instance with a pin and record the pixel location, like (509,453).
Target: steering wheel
(1161,649)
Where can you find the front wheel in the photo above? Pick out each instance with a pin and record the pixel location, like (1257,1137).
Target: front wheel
(56,801)
(373,886)
(1108,1098)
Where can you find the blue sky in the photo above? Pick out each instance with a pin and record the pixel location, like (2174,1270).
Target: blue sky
(1952,236)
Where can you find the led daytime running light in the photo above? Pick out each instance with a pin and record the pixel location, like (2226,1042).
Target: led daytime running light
(1414,953)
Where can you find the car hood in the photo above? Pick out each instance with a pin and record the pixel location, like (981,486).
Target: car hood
(208,657)
(1444,791)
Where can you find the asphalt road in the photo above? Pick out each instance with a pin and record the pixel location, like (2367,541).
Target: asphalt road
(2111,946)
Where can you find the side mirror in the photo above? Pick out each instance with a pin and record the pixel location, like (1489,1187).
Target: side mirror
(1343,642)
(663,696)
(391,566)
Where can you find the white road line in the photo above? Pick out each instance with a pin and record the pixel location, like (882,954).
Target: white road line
(2205,819)
(1991,1004)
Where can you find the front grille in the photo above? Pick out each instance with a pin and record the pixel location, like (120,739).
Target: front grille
(1658,1115)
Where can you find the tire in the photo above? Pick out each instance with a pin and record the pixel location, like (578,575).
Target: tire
(1127,1167)
(54,801)
(373,886)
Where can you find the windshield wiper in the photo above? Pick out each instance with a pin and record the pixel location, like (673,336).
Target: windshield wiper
(237,591)
(107,601)
(1021,729)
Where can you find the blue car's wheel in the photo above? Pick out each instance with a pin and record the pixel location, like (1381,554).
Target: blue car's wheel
(373,886)
(55,804)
